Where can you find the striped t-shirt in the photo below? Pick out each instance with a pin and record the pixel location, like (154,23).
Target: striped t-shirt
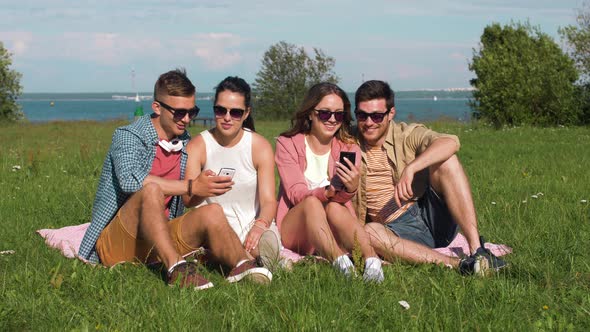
(381,206)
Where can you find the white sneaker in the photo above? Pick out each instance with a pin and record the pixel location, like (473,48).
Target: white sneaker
(269,250)
(345,266)
(373,270)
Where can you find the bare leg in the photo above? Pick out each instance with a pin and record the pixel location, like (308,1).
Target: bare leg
(391,247)
(305,227)
(449,180)
(208,226)
(345,226)
(143,217)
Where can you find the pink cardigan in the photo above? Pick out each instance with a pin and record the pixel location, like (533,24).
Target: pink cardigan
(291,163)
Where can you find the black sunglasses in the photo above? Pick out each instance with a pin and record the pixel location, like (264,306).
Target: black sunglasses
(235,113)
(179,113)
(376,117)
(325,115)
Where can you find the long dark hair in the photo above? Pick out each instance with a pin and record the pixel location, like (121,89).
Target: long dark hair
(301,123)
(237,85)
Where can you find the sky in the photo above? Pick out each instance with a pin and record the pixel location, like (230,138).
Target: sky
(95,46)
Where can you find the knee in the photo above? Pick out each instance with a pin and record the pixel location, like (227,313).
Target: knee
(152,191)
(311,201)
(333,207)
(213,210)
(312,205)
(209,215)
(449,167)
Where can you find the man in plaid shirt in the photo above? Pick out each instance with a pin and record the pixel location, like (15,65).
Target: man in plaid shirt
(138,209)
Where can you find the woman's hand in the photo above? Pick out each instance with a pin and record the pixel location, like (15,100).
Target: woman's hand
(254,236)
(349,175)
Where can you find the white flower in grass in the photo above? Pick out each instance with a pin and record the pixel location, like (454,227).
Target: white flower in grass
(583,201)
(16,168)
(524,201)
(493,203)
(534,196)
(404,304)
(540,194)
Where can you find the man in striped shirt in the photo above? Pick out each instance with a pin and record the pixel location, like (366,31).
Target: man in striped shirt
(414,194)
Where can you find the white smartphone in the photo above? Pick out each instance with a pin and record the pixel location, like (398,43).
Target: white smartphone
(225,171)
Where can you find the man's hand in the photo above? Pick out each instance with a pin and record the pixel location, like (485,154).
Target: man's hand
(253,237)
(208,184)
(403,189)
(349,175)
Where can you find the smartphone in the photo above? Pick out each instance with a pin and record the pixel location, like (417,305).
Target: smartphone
(225,171)
(348,155)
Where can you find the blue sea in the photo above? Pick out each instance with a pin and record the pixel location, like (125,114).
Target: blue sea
(44,107)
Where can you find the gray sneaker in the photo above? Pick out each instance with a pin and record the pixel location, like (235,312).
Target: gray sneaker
(269,250)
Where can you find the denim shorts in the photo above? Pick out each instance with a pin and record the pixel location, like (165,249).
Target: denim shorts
(427,222)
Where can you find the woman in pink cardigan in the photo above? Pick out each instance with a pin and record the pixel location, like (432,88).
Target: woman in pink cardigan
(315,214)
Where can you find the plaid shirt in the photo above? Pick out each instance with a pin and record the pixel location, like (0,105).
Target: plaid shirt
(127,164)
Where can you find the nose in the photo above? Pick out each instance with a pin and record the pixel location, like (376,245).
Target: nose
(369,121)
(227,116)
(186,118)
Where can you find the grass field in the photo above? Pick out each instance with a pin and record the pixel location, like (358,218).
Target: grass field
(547,286)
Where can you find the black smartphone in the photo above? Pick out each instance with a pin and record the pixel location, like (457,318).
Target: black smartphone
(348,155)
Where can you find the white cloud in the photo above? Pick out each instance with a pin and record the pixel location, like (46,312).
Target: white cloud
(17,42)
(217,50)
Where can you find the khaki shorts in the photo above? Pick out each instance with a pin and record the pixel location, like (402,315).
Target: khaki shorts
(116,245)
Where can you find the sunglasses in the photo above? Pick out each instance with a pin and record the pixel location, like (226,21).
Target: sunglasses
(325,115)
(221,112)
(376,117)
(179,113)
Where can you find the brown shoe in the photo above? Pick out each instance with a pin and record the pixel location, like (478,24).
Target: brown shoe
(250,271)
(185,275)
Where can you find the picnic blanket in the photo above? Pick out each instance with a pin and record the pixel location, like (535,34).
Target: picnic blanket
(67,240)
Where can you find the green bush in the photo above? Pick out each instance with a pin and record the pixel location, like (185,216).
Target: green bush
(523,77)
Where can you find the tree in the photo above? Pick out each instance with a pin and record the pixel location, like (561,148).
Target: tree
(10,88)
(287,73)
(578,39)
(523,77)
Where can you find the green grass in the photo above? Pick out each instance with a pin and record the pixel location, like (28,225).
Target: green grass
(547,286)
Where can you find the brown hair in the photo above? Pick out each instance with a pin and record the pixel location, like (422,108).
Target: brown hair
(174,83)
(374,90)
(301,123)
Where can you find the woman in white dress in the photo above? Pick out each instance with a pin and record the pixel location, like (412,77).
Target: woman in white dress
(232,151)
